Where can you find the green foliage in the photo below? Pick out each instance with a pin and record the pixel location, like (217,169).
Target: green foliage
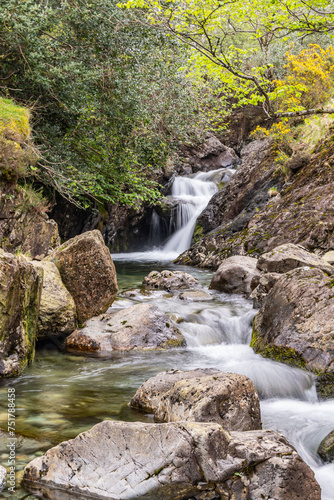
(108,100)
(237,42)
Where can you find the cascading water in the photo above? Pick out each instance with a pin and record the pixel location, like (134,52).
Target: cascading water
(193,195)
(190,196)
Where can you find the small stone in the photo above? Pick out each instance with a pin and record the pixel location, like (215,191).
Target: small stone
(326,448)
(169,280)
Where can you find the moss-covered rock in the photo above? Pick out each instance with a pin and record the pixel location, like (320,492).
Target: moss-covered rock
(20,293)
(57,313)
(295,324)
(326,448)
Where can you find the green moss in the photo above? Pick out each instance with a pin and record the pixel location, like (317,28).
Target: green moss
(282,354)
(198,233)
(14,118)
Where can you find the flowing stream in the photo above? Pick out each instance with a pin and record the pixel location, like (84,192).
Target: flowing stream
(61,395)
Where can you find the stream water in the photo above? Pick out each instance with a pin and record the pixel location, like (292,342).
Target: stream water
(61,395)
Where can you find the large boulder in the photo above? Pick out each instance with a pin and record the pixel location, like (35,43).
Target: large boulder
(235,274)
(290,256)
(88,272)
(174,461)
(150,393)
(169,280)
(296,323)
(138,327)
(20,294)
(57,313)
(225,398)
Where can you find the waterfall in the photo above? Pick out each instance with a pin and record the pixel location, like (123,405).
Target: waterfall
(193,194)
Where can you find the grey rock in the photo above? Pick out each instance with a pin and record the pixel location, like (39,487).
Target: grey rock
(57,312)
(20,296)
(195,296)
(88,272)
(169,280)
(326,448)
(290,256)
(329,257)
(261,285)
(228,399)
(174,461)
(296,323)
(138,327)
(235,274)
(150,393)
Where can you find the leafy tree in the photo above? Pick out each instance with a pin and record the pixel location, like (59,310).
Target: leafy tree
(233,40)
(107,98)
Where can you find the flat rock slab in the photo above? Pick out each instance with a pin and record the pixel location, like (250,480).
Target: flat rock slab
(170,280)
(290,256)
(296,323)
(235,274)
(57,313)
(88,272)
(201,396)
(138,327)
(175,461)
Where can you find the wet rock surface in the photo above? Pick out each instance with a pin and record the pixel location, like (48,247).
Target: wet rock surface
(57,313)
(20,295)
(174,461)
(227,399)
(296,322)
(326,448)
(88,272)
(195,296)
(139,327)
(289,256)
(169,280)
(235,274)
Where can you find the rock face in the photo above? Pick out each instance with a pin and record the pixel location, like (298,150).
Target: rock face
(326,448)
(235,274)
(242,219)
(296,323)
(88,272)
(138,327)
(210,155)
(25,230)
(289,256)
(175,461)
(20,294)
(169,280)
(57,313)
(201,396)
